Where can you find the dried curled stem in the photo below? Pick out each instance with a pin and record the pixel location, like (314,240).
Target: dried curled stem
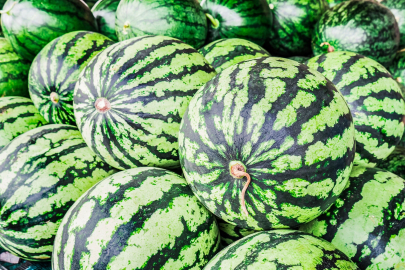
(330,47)
(238,171)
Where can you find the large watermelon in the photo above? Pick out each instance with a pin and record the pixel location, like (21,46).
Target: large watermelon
(18,115)
(143,218)
(361,26)
(281,125)
(231,233)
(42,173)
(56,69)
(31,24)
(397,8)
(131,97)
(397,67)
(367,222)
(104,12)
(224,53)
(280,249)
(395,162)
(181,19)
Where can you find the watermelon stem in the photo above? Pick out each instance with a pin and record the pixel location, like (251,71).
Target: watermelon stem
(238,171)
(214,22)
(330,47)
(8,10)
(102,105)
(54,97)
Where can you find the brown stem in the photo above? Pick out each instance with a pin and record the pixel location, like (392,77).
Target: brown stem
(238,171)
(330,47)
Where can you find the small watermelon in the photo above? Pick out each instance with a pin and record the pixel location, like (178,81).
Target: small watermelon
(42,173)
(231,233)
(224,53)
(280,249)
(143,218)
(397,8)
(17,116)
(367,222)
(104,12)
(300,59)
(55,70)
(277,124)
(397,67)
(395,162)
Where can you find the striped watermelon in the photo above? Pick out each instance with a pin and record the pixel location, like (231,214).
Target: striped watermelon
(18,115)
(374,98)
(56,69)
(104,12)
(300,59)
(397,8)
(231,233)
(181,19)
(281,125)
(42,173)
(397,67)
(280,249)
(224,53)
(130,99)
(395,162)
(13,71)
(361,26)
(31,24)
(143,218)
(367,222)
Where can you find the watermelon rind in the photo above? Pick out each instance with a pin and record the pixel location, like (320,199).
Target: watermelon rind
(397,8)
(104,13)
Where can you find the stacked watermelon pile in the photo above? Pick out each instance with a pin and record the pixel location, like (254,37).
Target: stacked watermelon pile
(151,134)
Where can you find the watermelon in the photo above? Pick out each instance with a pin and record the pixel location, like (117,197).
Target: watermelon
(395,162)
(277,124)
(280,249)
(231,233)
(224,53)
(30,24)
(333,3)
(361,26)
(18,115)
(397,8)
(19,264)
(56,69)
(142,218)
(13,71)
(247,19)
(367,222)
(42,173)
(104,12)
(129,100)
(181,19)
(2,2)
(294,22)
(397,67)
(300,59)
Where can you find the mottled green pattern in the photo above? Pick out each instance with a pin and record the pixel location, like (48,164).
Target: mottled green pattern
(56,69)
(280,249)
(361,26)
(374,98)
(42,173)
(181,19)
(397,67)
(395,162)
(367,222)
(290,128)
(300,59)
(104,12)
(31,24)
(397,8)
(224,53)
(17,115)
(149,82)
(143,218)
(231,233)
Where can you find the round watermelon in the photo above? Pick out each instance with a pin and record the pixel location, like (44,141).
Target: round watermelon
(231,233)
(143,218)
(397,8)
(361,26)
(397,67)
(31,24)
(42,173)
(131,97)
(56,69)
(367,222)
(104,12)
(224,53)
(395,162)
(267,143)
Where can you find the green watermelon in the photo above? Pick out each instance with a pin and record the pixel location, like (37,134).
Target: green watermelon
(224,53)
(21,264)
(277,124)
(181,19)
(143,218)
(300,59)
(231,233)
(13,71)
(280,249)
(56,69)
(397,67)
(42,173)
(397,8)
(367,222)
(31,24)
(361,26)
(104,12)
(131,97)
(18,115)
(294,22)
(395,162)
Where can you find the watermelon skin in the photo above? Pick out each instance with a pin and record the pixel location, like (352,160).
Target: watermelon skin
(231,233)
(367,222)
(31,24)
(397,67)
(397,8)
(2,2)
(56,69)
(18,115)
(148,83)
(145,218)
(374,98)
(280,249)
(395,162)
(42,173)
(361,26)
(224,53)
(300,59)
(263,117)
(180,19)
(104,12)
